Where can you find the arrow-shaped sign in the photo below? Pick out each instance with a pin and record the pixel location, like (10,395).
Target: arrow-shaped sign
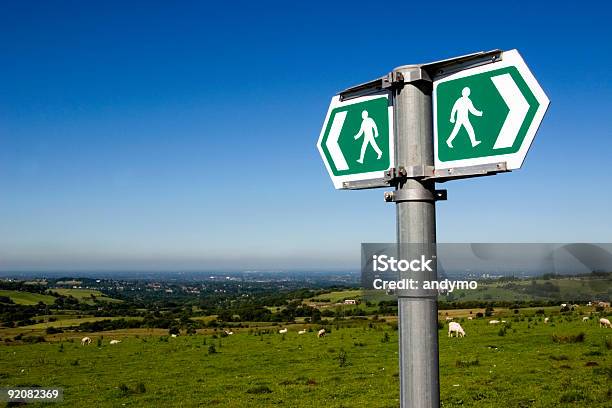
(332,141)
(356,141)
(518,106)
(487,114)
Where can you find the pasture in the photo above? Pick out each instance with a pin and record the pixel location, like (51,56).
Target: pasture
(525,363)
(85,295)
(338,296)
(27,298)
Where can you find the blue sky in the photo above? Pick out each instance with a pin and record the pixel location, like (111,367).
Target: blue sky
(182,136)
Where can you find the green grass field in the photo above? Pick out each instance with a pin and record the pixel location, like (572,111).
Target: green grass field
(523,290)
(74,322)
(351,367)
(84,295)
(27,298)
(338,296)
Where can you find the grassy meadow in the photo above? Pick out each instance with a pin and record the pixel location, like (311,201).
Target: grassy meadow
(525,363)
(85,295)
(27,298)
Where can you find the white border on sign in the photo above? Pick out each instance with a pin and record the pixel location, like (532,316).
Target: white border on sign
(373,175)
(513,160)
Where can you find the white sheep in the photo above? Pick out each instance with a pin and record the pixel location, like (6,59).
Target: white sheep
(493,321)
(604,323)
(283,331)
(454,327)
(321,333)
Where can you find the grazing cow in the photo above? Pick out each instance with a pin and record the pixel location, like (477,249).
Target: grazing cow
(585,318)
(546,320)
(85,340)
(115,341)
(321,333)
(283,331)
(302,331)
(604,323)
(470,317)
(454,327)
(493,321)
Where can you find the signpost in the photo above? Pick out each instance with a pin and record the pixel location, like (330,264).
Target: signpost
(356,142)
(469,116)
(487,114)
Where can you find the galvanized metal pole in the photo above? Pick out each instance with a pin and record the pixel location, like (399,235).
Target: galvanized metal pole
(416,224)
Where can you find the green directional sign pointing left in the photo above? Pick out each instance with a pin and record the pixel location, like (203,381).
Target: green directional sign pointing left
(356,141)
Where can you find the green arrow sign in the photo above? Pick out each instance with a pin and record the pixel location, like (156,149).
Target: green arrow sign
(356,141)
(488,114)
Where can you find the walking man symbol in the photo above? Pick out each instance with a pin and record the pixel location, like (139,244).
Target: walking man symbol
(462,109)
(369,132)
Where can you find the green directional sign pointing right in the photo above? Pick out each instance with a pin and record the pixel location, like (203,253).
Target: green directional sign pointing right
(487,114)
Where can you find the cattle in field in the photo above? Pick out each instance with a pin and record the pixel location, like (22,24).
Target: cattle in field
(283,331)
(321,333)
(454,327)
(493,321)
(302,331)
(604,323)
(85,340)
(115,341)
(585,318)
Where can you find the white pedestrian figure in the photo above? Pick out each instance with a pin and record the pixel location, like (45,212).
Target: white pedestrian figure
(462,109)
(369,132)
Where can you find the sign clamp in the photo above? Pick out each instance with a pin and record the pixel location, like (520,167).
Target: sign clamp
(399,196)
(428,72)
(395,176)
(386,83)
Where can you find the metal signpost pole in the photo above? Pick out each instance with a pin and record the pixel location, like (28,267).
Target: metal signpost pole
(416,223)
(418,143)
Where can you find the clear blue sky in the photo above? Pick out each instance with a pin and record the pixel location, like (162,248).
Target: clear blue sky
(182,135)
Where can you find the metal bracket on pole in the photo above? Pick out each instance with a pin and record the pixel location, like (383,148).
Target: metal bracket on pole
(395,176)
(392,80)
(420,72)
(443,175)
(403,173)
(385,83)
(449,66)
(399,196)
